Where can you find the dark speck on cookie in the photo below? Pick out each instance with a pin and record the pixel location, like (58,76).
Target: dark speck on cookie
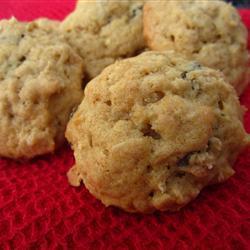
(136,11)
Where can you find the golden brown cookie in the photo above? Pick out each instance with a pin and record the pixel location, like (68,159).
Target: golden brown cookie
(40,84)
(153,130)
(210,32)
(104,31)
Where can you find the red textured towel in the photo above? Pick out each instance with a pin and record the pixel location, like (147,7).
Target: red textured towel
(39,210)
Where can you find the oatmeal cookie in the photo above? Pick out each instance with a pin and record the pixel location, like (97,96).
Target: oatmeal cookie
(40,84)
(47,25)
(104,31)
(153,130)
(210,32)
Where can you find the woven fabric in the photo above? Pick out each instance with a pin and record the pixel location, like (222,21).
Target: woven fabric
(39,210)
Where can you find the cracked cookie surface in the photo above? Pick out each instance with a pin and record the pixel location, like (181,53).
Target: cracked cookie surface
(40,84)
(153,130)
(210,32)
(104,31)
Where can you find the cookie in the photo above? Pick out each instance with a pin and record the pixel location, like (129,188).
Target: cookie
(210,32)
(104,31)
(153,130)
(40,85)
(47,25)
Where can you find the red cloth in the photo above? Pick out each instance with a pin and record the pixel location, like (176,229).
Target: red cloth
(39,210)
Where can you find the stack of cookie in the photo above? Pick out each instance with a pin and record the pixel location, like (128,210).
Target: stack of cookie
(151,130)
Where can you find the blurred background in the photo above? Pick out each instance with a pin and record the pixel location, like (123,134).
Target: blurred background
(240,3)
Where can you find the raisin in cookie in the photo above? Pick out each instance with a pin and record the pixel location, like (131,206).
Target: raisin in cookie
(104,31)
(40,84)
(210,32)
(153,130)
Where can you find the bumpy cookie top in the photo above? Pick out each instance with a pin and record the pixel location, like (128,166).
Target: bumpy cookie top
(153,130)
(210,32)
(40,84)
(103,31)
